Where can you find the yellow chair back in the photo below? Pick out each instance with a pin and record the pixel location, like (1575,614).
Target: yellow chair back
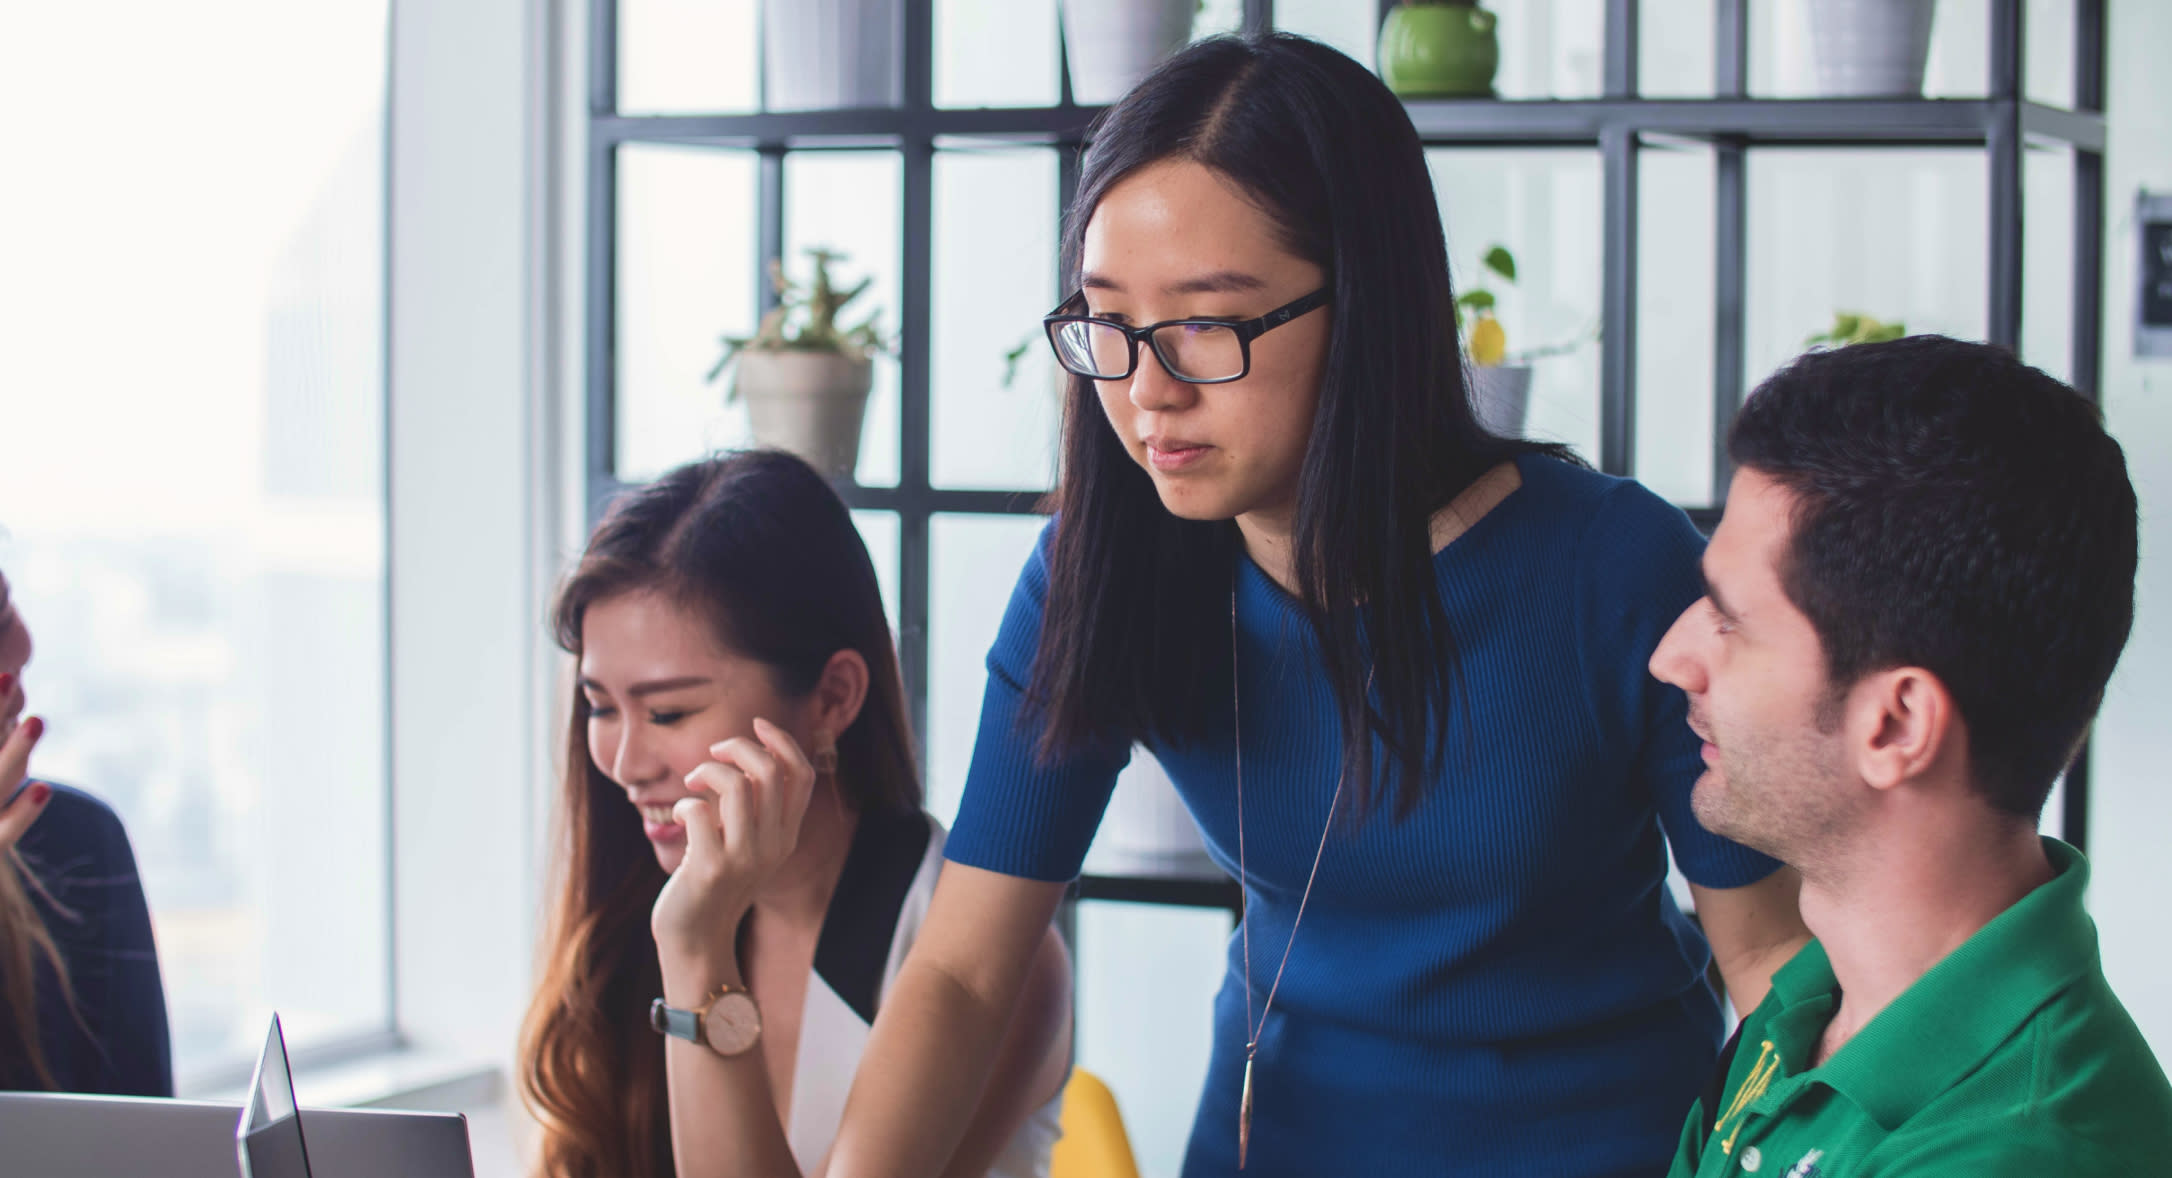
(1094,1144)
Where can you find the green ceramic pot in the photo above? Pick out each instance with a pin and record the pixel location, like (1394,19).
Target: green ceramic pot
(1439,51)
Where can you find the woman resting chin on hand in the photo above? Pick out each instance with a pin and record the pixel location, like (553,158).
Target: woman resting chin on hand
(744,857)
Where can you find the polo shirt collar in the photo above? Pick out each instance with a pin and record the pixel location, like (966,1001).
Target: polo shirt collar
(1945,1025)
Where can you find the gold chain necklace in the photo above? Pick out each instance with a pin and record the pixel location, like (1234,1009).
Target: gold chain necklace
(1252,1031)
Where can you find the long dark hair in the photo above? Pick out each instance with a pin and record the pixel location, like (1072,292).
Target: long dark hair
(1130,644)
(760,546)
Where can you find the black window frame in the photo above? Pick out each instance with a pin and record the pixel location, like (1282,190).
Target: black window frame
(1731,123)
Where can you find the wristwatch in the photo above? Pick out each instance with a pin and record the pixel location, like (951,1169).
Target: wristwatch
(728,1023)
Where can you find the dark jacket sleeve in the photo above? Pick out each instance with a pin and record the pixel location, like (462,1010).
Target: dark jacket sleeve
(113,1038)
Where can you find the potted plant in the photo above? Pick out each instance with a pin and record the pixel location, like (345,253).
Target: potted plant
(1870,48)
(805,376)
(1854,327)
(1439,49)
(1111,44)
(829,54)
(1500,380)
(1500,391)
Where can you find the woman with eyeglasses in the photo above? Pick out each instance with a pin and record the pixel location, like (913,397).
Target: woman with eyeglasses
(1394,664)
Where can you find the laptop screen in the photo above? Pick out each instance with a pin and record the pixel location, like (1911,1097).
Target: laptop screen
(269,1138)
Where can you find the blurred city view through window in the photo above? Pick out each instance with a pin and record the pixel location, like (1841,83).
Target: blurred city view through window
(192,479)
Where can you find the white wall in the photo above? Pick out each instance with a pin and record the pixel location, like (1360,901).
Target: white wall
(473,491)
(2131,796)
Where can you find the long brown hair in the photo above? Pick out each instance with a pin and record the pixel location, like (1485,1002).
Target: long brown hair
(24,943)
(760,546)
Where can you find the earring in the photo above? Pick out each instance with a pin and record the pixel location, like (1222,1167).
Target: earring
(825,761)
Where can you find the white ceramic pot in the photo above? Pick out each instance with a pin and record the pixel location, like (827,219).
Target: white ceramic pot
(1500,396)
(1111,44)
(827,54)
(808,403)
(1870,48)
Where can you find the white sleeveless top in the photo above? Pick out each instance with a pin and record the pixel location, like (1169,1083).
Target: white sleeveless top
(874,916)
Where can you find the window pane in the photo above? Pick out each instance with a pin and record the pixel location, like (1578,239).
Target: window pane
(2049,31)
(1675,309)
(1147,1032)
(1897,235)
(1675,48)
(1783,62)
(2047,260)
(1218,16)
(686,276)
(851,201)
(975,560)
(196,535)
(1545,207)
(1550,48)
(1352,28)
(880,531)
(995,276)
(687,56)
(967,74)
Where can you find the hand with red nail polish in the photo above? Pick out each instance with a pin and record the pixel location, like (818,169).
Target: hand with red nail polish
(26,798)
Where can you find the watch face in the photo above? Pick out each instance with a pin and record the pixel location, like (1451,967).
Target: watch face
(733,1024)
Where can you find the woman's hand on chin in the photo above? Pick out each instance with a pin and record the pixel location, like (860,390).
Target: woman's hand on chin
(741,825)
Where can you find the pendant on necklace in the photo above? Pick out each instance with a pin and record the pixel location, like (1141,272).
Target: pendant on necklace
(1244,1115)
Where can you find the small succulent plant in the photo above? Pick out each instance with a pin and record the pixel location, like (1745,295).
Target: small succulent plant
(806,317)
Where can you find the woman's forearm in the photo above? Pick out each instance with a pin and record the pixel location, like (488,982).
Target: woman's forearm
(920,1083)
(942,1027)
(1753,930)
(723,1114)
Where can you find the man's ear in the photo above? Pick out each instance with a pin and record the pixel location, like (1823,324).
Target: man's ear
(1900,724)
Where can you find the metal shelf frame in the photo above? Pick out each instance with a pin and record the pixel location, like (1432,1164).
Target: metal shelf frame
(1617,125)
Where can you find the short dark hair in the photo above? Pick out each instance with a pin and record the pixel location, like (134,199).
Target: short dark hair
(1959,511)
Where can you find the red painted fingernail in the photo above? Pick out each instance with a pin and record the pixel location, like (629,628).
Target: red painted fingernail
(36,725)
(39,793)
(7,684)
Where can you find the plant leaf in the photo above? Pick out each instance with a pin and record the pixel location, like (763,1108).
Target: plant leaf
(1476,300)
(1501,262)
(1013,358)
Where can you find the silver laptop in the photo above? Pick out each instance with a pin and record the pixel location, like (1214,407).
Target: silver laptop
(49,1135)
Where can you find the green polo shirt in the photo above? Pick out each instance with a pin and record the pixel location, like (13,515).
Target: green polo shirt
(2011,1058)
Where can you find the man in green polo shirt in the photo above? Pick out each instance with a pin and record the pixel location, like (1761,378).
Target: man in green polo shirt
(1922,581)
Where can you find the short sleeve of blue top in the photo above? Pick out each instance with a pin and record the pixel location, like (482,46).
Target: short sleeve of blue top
(115,1039)
(1500,984)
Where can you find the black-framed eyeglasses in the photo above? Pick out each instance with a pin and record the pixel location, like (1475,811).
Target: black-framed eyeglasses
(1196,351)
